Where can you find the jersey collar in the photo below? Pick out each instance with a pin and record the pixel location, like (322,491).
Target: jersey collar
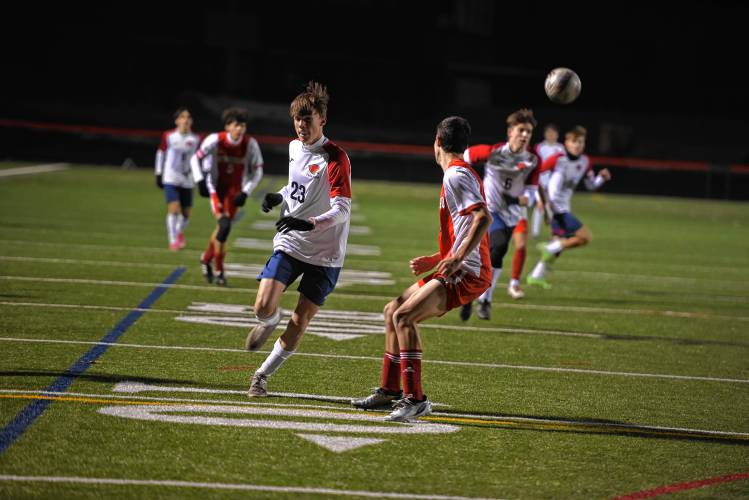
(315,145)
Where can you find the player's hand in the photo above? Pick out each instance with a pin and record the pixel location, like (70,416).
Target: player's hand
(449,266)
(240,199)
(420,265)
(271,200)
(288,223)
(159,182)
(605,174)
(510,200)
(203,189)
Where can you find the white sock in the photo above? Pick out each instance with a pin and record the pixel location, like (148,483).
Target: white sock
(171,227)
(536,223)
(274,360)
(182,222)
(487,295)
(514,283)
(555,246)
(539,271)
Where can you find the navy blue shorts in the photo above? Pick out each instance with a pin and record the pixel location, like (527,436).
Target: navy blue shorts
(565,225)
(177,193)
(317,281)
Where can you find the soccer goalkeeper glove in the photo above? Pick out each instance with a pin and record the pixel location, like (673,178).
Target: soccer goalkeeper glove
(240,199)
(203,189)
(289,223)
(271,200)
(159,182)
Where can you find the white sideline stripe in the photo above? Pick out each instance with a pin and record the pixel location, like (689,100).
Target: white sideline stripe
(35,169)
(87,262)
(379,359)
(229,486)
(604,310)
(131,387)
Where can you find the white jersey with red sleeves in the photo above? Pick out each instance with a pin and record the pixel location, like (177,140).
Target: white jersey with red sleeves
(462,193)
(505,173)
(319,178)
(545,149)
(566,175)
(173,157)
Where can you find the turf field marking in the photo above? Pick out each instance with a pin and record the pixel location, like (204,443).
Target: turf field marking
(258,244)
(346,278)
(338,444)
(381,298)
(86,262)
(690,485)
(34,169)
(468,364)
(16,427)
(230,486)
(264,225)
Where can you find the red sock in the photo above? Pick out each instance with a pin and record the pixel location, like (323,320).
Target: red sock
(411,372)
(208,254)
(518,261)
(391,372)
(220,261)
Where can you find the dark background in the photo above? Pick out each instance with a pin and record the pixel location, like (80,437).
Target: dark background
(664,83)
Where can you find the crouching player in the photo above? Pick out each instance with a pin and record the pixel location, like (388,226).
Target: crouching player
(463,272)
(227,167)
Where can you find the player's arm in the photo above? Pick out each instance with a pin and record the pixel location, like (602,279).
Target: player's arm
(198,165)
(593,181)
(420,265)
(160,159)
(253,172)
(479,225)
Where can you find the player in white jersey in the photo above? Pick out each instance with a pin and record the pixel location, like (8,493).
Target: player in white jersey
(545,149)
(312,232)
(173,175)
(510,180)
(568,169)
(462,272)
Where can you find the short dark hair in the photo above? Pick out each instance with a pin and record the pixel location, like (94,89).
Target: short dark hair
(575,132)
(180,111)
(522,116)
(314,97)
(232,115)
(453,133)
(551,126)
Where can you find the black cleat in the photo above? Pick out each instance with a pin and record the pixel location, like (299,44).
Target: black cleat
(465,311)
(221,279)
(207,270)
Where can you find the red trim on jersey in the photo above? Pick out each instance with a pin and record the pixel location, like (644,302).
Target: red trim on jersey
(339,170)
(480,152)
(165,140)
(533,178)
(550,163)
(468,210)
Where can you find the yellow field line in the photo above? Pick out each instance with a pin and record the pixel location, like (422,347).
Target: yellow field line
(87,400)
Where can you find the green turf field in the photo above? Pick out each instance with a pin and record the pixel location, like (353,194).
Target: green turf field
(630,374)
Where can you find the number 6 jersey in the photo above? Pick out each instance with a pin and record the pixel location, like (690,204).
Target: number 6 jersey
(319,188)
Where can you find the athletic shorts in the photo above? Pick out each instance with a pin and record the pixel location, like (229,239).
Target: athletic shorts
(178,193)
(226,201)
(499,225)
(565,225)
(462,290)
(317,281)
(522,226)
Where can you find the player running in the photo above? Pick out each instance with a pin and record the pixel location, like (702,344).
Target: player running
(550,146)
(312,233)
(568,169)
(463,271)
(227,167)
(173,175)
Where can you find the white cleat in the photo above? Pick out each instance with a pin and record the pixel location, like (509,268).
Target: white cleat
(515,292)
(407,409)
(257,336)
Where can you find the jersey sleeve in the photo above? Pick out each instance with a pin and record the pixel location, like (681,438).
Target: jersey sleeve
(253,171)
(465,189)
(339,174)
(197,165)
(208,146)
(161,153)
(532,179)
(478,153)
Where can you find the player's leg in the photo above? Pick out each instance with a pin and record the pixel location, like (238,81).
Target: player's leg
(580,238)
(519,239)
(499,241)
(222,236)
(185,200)
(172,214)
(537,217)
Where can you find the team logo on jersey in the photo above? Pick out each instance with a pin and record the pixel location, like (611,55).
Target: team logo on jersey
(314,168)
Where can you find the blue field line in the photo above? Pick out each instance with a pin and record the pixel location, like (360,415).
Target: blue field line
(28,415)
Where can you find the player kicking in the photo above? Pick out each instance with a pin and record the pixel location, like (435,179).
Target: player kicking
(173,175)
(312,233)
(568,169)
(510,180)
(227,167)
(463,271)
(550,146)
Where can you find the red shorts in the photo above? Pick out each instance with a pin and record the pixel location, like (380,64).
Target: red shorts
(223,203)
(522,226)
(461,291)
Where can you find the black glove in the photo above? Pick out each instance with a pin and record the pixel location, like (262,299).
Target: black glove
(159,182)
(203,189)
(510,200)
(286,224)
(240,199)
(271,200)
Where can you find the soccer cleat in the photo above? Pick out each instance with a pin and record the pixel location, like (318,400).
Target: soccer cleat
(546,256)
(221,279)
(257,336)
(515,292)
(258,386)
(407,409)
(207,270)
(484,309)
(180,241)
(465,311)
(378,400)
(540,282)
(174,247)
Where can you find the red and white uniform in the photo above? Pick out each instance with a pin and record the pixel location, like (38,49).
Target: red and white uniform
(508,173)
(545,149)
(461,194)
(319,188)
(228,167)
(173,157)
(566,175)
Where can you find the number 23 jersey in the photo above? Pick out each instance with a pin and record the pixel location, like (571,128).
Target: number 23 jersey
(318,174)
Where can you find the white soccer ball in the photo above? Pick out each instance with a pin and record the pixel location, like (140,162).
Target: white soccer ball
(562,85)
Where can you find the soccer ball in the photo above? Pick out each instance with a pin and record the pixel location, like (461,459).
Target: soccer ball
(562,85)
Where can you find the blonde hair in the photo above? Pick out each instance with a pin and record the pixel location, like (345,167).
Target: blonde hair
(314,98)
(575,132)
(522,116)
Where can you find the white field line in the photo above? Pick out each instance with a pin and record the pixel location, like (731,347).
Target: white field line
(229,486)
(467,364)
(35,169)
(86,262)
(379,298)
(343,408)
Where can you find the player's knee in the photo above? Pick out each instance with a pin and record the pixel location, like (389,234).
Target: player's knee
(497,255)
(585,236)
(224,228)
(402,318)
(390,308)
